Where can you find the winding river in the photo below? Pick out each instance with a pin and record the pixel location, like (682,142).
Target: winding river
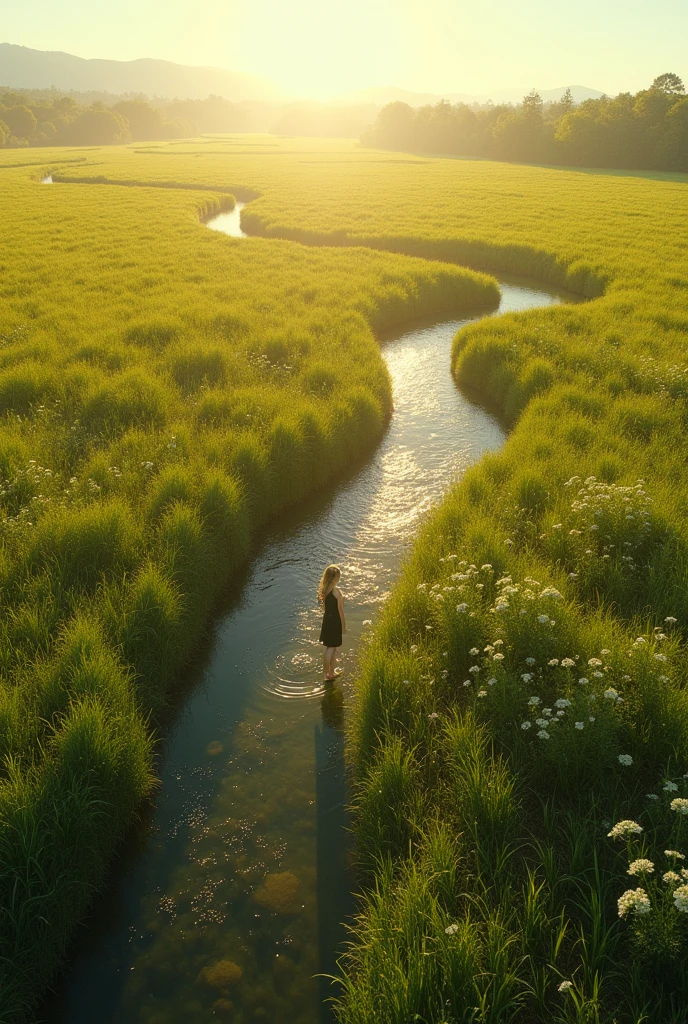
(227,901)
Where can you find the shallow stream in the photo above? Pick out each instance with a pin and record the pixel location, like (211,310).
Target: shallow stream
(226,904)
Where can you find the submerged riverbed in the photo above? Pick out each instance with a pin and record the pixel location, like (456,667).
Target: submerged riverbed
(227,902)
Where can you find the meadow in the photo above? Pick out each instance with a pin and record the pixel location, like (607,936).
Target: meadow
(165,391)
(520,741)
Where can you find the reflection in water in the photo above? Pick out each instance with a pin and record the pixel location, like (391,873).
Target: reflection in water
(229,904)
(229,223)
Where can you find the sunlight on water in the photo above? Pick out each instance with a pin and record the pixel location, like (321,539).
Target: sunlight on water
(229,223)
(228,901)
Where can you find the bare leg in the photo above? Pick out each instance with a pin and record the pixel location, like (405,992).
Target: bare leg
(328,662)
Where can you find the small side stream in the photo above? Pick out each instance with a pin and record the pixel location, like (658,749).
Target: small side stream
(228,901)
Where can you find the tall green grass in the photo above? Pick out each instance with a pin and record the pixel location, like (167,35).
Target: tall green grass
(164,392)
(489,876)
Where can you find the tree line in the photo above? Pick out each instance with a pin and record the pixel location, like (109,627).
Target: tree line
(45,117)
(648,130)
(61,121)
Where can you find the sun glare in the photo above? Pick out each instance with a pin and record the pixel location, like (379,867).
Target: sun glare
(322,50)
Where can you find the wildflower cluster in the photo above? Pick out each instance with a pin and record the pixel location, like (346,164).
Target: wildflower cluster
(661,885)
(670,378)
(28,493)
(634,901)
(606,527)
(586,703)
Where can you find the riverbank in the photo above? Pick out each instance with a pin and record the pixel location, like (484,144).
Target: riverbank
(253,776)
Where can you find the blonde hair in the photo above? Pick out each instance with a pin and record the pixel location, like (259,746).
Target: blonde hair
(327,581)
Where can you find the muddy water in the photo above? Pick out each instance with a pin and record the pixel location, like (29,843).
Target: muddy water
(227,904)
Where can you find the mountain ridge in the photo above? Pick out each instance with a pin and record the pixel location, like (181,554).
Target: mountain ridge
(24,68)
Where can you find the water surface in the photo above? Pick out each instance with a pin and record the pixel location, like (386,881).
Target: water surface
(227,901)
(229,223)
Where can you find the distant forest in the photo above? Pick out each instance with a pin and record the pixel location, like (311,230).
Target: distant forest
(648,130)
(46,117)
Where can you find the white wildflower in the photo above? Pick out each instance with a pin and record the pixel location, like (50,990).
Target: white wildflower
(611,694)
(579,725)
(462,608)
(670,787)
(553,662)
(594,662)
(562,703)
(675,854)
(534,701)
(482,693)
(671,878)
(642,866)
(552,593)
(568,663)
(681,899)
(625,759)
(526,725)
(634,901)
(543,734)
(583,680)
(451,929)
(680,805)
(624,829)
(565,986)
(544,619)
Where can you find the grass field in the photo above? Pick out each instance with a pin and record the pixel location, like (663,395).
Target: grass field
(164,392)
(524,694)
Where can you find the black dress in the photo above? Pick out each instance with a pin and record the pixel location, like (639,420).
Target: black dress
(331,631)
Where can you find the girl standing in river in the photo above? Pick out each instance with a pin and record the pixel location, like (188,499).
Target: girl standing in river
(334,622)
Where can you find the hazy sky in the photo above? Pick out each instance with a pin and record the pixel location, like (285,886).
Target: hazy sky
(323,47)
